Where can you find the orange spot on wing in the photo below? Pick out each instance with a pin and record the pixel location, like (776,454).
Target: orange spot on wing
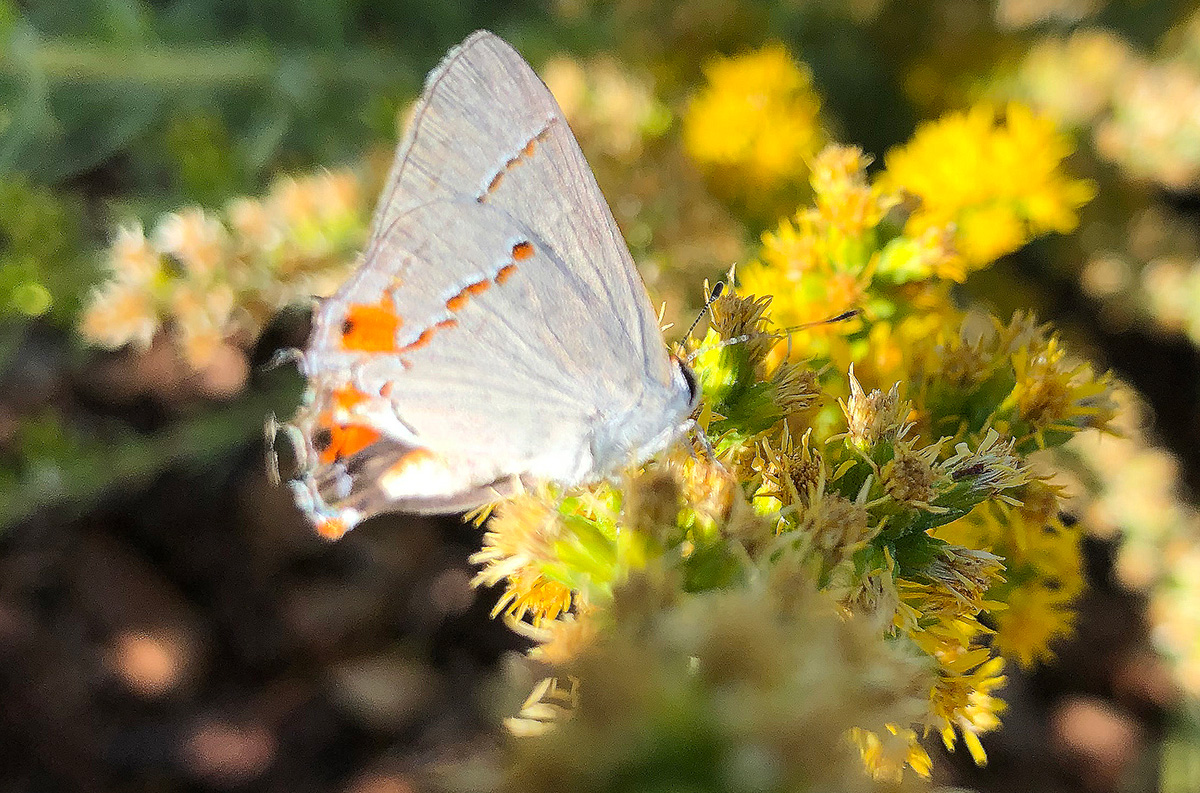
(505,273)
(446,324)
(522,250)
(371,328)
(346,440)
(525,153)
(346,397)
(332,528)
(419,342)
(459,301)
(338,435)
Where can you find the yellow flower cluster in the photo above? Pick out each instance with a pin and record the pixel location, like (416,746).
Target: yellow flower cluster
(212,282)
(997,185)
(756,122)
(882,460)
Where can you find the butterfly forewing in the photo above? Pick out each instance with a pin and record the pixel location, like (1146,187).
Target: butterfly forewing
(497,318)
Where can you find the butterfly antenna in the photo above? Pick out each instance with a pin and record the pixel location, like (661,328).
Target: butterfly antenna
(717,291)
(845,315)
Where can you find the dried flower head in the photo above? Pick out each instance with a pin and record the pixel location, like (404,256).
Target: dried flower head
(874,417)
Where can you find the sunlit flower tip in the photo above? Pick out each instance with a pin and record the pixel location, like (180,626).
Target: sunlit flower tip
(796,388)
(838,169)
(132,259)
(757,116)
(993,466)
(886,756)
(742,320)
(528,593)
(1023,330)
(120,314)
(792,474)
(873,417)
(194,238)
(910,476)
(963,701)
(1054,392)
(520,535)
(844,196)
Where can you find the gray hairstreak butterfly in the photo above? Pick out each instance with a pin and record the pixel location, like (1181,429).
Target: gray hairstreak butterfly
(496,331)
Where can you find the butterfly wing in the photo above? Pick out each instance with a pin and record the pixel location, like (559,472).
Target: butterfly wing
(497,327)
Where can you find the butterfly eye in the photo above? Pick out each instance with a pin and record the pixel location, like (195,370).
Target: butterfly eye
(685,373)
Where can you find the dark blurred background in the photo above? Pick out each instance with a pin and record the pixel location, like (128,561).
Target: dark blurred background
(168,621)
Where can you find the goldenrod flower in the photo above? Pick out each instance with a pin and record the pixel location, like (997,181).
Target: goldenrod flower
(1073,79)
(132,259)
(792,475)
(1054,393)
(829,524)
(1044,570)
(911,477)
(874,417)
(886,754)
(231,274)
(1152,129)
(756,119)
(610,109)
(194,238)
(740,322)
(845,198)
(1000,185)
(797,388)
(770,688)
(120,313)
(518,545)
(992,466)
(963,702)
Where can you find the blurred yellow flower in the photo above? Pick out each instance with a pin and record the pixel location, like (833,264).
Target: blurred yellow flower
(999,184)
(231,272)
(120,314)
(757,118)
